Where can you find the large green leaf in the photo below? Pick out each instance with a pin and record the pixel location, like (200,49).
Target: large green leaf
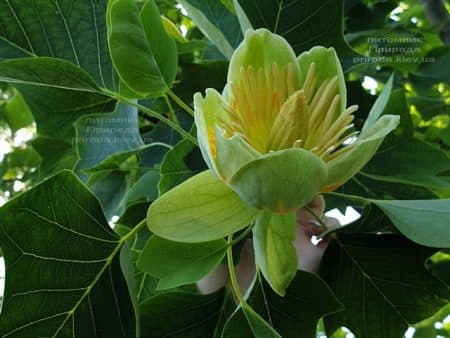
(152,67)
(295,315)
(403,152)
(426,222)
(74,31)
(382,282)
(217,21)
(200,209)
(47,72)
(304,24)
(175,263)
(181,314)
(74,285)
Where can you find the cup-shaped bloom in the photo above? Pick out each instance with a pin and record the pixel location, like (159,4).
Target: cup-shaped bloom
(281,132)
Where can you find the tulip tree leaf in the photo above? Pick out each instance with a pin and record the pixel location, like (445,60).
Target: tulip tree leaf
(295,315)
(280,181)
(45,71)
(101,135)
(304,24)
(182,314)
(217,22)
(152,68)
(403,152)
(426,222)
(389,273)
(200,209)
(73,31)
(183,161)
(175,263)
(275,254)
(74,286)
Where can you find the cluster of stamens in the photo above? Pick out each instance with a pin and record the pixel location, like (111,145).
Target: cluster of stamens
(267,111)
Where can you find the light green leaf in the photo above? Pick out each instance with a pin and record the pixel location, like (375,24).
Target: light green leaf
(217,22)
(379,106)
(426,222)
(74,284)
(327,66)
(149,71)
(199,210)
(16,112)
(280,181)
(343,167)
(175,263)
(162,45)
(275,254)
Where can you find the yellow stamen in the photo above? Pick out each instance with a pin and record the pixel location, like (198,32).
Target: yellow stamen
(271,113)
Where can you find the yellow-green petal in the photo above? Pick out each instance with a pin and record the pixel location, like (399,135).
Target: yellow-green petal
(327,66)
(274,252)
(261,49)
(232,154)
(200,209)
(280,181)
(205,113)
(343,167)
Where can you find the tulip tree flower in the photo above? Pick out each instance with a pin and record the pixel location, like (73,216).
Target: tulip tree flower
(279,134)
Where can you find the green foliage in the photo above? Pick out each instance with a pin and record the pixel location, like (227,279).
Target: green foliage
(76,78)
(76,277)
(390,272)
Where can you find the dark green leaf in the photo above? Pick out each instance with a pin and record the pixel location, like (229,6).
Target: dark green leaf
(74,284)
(100,136)
(382,282)
(183,315)
(47,72)
(304,24)
(179,164)
(295,315)
(73,31)
(403,152)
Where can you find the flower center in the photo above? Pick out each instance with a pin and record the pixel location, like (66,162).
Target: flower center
(270,114)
